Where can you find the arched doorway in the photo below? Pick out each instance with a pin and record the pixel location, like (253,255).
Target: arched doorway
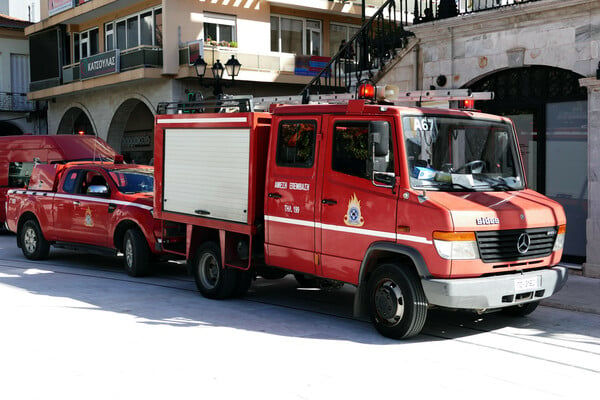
(549,109)
(8,129)
(131,132)
(75,122)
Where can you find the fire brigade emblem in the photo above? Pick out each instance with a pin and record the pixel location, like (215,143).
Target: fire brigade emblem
(353,217)
(88,218)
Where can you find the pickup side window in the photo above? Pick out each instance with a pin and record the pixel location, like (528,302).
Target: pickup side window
(350,154)
(70,182)
(296,144)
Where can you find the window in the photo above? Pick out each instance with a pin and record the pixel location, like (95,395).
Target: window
(85,44)
(351,154)
(132,32)
(109,37)
(70,182)
(296,144)
(339,32)
(295,35)
(219,27)
(19,174)
(140,29)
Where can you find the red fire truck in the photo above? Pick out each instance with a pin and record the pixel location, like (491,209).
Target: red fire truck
(416,207)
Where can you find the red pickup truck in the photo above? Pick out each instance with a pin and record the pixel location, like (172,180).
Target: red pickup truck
(93,206)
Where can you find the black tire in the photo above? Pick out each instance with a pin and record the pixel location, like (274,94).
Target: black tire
(396,302)
(521,310)
(136,253)
(212,280)
(32,242)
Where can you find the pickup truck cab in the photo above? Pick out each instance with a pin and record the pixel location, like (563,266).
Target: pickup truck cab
(103,207)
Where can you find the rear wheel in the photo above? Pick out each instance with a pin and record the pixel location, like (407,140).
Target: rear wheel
(397,303)
(521,310)
(212,280)
(136,252)
(32,242)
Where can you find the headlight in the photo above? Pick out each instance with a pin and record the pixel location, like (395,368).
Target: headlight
(456,245)
(559,243)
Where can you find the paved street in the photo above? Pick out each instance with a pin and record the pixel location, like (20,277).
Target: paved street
(77,327)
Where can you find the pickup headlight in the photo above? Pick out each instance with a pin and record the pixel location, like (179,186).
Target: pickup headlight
(456,245)
(559,243)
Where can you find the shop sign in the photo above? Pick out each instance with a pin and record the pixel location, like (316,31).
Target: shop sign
(56,6)
(99,64)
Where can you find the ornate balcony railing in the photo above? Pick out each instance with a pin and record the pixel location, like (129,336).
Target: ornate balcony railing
(15,102)
(380,38)
(429,10)
(368,50)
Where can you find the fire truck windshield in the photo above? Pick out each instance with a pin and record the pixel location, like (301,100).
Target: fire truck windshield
(459,154)
(134,180)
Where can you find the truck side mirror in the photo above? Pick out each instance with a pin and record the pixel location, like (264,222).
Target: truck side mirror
(379,138)
(379,145)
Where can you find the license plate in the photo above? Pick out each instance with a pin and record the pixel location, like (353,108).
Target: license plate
(525,284)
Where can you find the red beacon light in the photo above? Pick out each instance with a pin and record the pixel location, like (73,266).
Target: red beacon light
(468,104)
(366,91)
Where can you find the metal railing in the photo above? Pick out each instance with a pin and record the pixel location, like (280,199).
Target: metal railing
(380,38)
(369,49)
(16,102)
(430,10)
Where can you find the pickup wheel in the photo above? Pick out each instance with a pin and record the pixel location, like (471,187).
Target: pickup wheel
(32,242)
(521,310)
(212,280)
(136,252)
(396,302)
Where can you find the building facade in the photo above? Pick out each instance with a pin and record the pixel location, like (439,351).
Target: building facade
(18,115)
(541,60)
(104,65)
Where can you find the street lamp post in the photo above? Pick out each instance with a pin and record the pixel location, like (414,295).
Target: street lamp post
(232,66)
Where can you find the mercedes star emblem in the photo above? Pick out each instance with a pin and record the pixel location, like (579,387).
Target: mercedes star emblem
(523,243)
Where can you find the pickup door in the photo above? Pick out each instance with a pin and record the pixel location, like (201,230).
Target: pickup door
(81,217)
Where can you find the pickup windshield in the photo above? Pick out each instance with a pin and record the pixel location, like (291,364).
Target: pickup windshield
(134,180)
(460,154)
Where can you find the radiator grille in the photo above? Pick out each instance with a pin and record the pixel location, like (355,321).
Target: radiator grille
(514,245)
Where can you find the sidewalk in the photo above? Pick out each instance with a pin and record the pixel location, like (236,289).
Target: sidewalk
(578,294)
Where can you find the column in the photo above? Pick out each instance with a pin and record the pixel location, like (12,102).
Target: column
(591,268)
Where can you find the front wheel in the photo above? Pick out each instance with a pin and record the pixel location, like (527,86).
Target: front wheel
(212,280)
(397,302)
(136,252)
(32,242)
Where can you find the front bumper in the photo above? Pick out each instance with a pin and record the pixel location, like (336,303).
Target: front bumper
(494,291)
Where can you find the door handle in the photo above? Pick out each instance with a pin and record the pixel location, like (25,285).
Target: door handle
(76,203)
(329,202)
(202,212)
(274,195)
(111,207)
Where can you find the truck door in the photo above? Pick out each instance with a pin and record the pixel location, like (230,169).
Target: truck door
(82,217)
(355,212)
(291,194)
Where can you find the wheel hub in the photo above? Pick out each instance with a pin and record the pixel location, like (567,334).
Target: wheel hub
(389,302)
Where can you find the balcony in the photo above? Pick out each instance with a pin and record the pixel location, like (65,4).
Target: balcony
(15,102)
(137,57)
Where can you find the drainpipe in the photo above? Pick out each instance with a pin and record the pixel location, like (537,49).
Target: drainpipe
(416,66)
